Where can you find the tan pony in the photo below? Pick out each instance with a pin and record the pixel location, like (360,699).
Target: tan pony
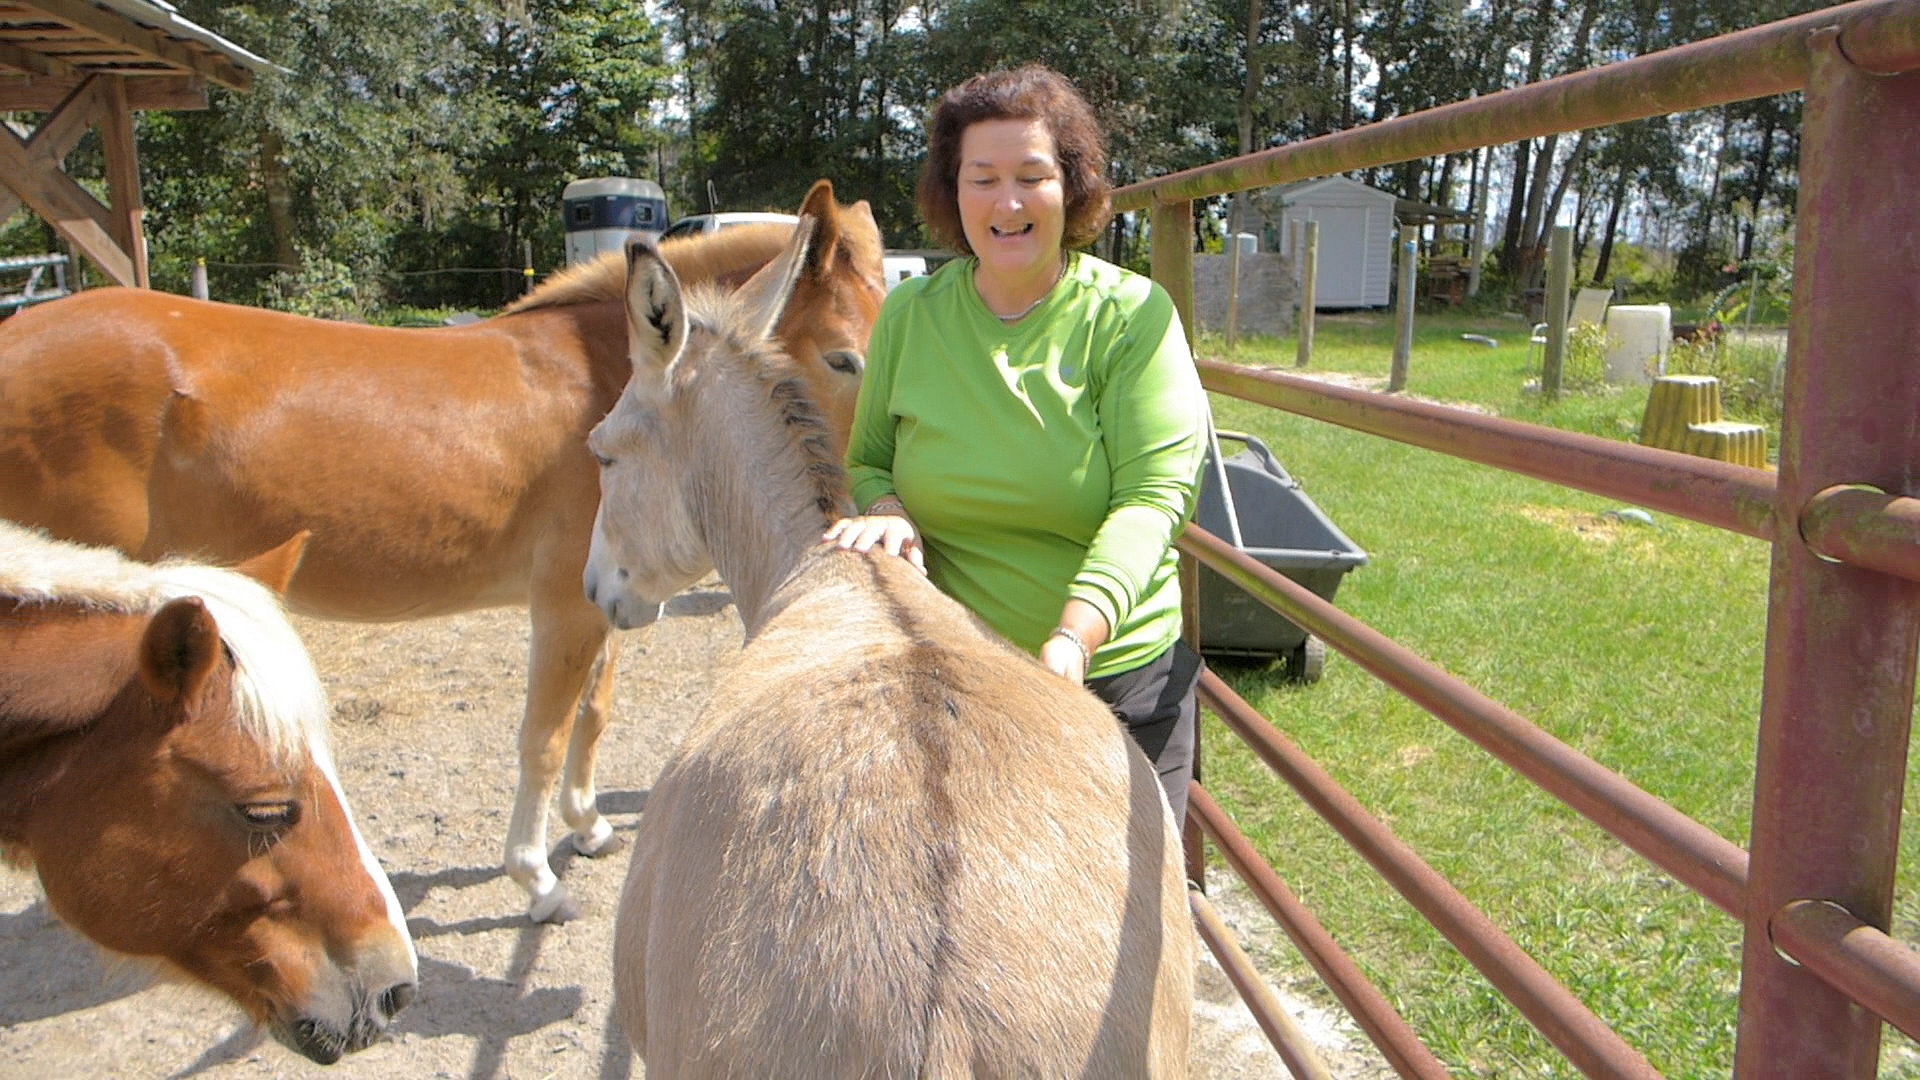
(164,769)
(892,845)
(439,470)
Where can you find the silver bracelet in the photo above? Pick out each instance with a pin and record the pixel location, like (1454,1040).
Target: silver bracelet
(1086,654)
(889,501)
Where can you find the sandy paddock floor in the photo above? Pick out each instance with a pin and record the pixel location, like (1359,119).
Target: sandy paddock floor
(425,719)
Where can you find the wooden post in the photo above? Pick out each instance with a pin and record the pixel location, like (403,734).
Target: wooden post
(1559,278)
(1192,840)
(1171,257)
(127,213)
(1476,248)
(1171,262)
(1403,340)
(1233,274)
(1309,272)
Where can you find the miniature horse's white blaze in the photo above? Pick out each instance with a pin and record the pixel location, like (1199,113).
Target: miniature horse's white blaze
(892,845)
(164,769)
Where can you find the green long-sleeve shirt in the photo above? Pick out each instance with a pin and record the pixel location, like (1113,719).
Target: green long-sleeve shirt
(1056,457)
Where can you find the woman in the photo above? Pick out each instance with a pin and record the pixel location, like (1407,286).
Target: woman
(1029,429)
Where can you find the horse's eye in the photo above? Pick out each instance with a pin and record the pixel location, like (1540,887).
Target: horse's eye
(846,361)
(268,816)
(605,462)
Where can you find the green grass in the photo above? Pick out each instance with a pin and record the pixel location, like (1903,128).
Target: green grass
(1639,646)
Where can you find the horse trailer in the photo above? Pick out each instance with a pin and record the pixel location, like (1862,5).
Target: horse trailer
(604,211)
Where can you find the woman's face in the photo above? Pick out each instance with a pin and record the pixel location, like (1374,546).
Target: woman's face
(1012,203)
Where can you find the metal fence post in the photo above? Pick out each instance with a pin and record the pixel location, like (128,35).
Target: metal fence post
(1309,272)
(1559,279)
(1837,696)
(1403,340)
(198,282)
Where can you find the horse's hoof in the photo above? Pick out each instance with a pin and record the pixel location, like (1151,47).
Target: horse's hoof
(607,845)
(555,907)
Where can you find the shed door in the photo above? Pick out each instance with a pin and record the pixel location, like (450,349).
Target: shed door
(1342,280)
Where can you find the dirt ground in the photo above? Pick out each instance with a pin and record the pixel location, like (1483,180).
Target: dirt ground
(425,719)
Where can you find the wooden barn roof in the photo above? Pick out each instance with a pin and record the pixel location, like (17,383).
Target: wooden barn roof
(47,47)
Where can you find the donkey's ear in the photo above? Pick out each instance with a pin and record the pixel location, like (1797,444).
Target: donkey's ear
(275,568)
(656,315)
(764,296)
(178,650)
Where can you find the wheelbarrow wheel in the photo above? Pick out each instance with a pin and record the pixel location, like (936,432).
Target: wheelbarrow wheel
(1308,661)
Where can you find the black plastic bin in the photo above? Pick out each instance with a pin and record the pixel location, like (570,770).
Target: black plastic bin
(1282,529)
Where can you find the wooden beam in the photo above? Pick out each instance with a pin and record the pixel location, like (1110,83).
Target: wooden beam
(36,63)
(21,93)
(60,132)
(65,205)
(125,211)
(115,28)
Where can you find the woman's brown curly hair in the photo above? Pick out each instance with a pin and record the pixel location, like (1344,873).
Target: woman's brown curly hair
(1032,92)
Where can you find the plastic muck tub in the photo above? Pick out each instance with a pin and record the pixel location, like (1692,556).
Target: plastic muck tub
(1282,529)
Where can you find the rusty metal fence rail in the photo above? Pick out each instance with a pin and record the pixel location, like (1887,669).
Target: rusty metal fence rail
(1814,891)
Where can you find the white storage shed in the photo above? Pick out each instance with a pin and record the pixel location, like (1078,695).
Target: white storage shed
(1356,236)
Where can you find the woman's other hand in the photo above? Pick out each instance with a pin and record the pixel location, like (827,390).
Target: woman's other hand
(1068,651)
(885,523)
(1064,658)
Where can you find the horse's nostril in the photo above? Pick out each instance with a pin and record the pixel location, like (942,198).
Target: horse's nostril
(397,997)
(621,574)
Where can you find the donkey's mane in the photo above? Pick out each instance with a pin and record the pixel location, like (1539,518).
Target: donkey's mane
(801,421)
(277,696)
(735,250)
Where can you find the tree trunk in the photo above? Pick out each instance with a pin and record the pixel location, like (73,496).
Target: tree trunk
(1574,163)
(1762,178)
(273,173)
(1532,249)
(1346,77)
(1512,235)
(1516,203)
(1613,221)
(1713,189)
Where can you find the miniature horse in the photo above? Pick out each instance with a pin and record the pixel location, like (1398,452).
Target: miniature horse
(439,470)
(892,844)
(164,768)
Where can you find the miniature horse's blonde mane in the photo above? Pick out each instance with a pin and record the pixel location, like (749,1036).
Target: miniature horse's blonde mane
(800,419)
(736,250)
(277,696)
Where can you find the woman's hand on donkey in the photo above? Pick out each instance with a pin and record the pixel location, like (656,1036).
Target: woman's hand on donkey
(885,523)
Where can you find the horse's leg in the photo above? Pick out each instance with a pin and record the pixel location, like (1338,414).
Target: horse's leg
(568,634)
(592,835)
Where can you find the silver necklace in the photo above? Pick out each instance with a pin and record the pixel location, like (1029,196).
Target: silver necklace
(1025,311)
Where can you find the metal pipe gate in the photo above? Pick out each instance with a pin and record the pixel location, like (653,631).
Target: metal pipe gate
(1815,890)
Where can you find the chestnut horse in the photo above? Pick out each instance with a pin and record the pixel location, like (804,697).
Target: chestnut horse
(439,470)
(164,768)
(892,844)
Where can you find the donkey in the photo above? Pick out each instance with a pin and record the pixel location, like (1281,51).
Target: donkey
(892,844)
(164,769)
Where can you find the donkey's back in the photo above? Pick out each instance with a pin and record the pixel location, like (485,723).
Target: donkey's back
(894,846)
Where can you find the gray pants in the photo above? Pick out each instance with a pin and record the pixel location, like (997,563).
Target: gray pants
(1156,703)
